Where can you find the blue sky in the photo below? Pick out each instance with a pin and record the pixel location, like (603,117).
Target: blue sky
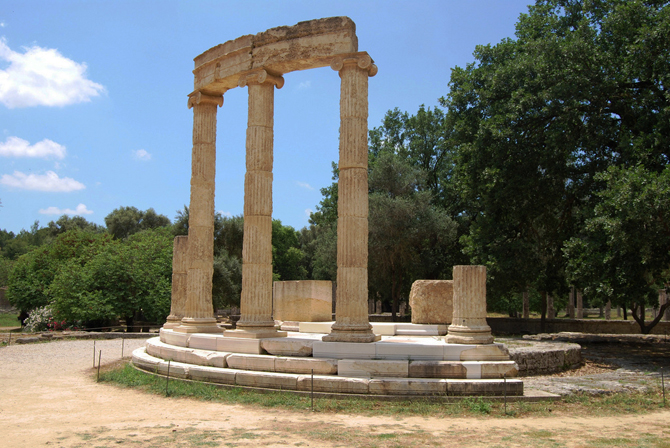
(93,97)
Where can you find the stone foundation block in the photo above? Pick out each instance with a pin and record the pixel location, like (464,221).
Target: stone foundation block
(452,352)
(177,369)
(431,301)
(334,384)
(306,365)
(341,350)
(421,330)
(500,369)
(204,341)
(315,327)
(212,374)
(437,369)
(372,368)
(409,351)
(492,352)
(383,328)
(173,338)
(385,386)
(288,346)
(239,345)
(145,361)
(270,380)
(251,362)
(484,387)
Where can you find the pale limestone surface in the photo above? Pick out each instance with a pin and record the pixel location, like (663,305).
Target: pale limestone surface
(179,274)
(341,350)
(203,341)
(385,386)
(368,368)
(239,345)
(431,301)
(271,380)
(288,346)
(420,329)
(306,365)
(437,369)
(334,384)
(251,362)
(469,322)
(303,300)
(214,375)
(409,351)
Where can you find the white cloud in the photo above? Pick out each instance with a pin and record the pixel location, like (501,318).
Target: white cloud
(308,211)
(304,85)
(18,147)
(43,77)
(141,154)
(80,210)
(41,182)
(226,214)
(305,185)
(2,24)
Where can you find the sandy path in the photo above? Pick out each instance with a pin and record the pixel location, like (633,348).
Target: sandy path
(48,398)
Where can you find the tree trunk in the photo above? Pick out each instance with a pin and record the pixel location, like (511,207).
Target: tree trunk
(625,311)
(543,316)
(646,329)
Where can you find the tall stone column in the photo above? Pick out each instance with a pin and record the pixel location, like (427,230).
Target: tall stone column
(608,310)
(580,305)
(469,323)
(551,312)
(179,276)
(256,302)
(351,315)
(571,303)
(199,311)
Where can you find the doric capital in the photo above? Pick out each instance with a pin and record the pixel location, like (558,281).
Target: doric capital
(362,60)
(198,97)
(259,77)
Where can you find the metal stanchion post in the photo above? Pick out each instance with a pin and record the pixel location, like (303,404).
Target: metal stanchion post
(312,393)
(94,354)
(99,358)
(505,388)
(167,380)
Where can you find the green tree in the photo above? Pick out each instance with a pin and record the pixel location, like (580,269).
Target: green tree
(125,221)
(287,258)
(624,253)
(65,223)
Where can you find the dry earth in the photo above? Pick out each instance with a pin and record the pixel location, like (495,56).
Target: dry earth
(48,397)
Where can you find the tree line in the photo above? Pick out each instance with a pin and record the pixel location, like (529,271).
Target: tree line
(546,160)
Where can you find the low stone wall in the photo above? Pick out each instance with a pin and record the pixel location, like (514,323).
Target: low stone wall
(543,358)
(509,325)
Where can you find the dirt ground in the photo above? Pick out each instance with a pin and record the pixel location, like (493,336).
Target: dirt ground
(48,397)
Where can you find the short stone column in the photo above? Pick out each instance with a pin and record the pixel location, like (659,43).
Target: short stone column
(571,303)
(608,310)
(580,305)
(469,322)
(551,311)
(256,302)
(526,304)
(179,276)
(351,316)
(199,311)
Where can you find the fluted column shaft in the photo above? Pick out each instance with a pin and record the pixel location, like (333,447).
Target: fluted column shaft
(199,312)
(352,324)
(256,302)
(469,322)
(179,278)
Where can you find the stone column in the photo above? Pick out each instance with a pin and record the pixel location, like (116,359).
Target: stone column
(179,276)
(580,305)
(351,316)
(571,303)
(256,302)
(608,310)
(469,323)
(199,311)
(662,300)
(551,312)
(526,305)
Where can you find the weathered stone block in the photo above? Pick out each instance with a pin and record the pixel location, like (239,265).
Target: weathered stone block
(212,374)
(404,386)
(270,380)
(437,369)
(239,345)
(369,368)
(341,350)
(306,365)
(288,346)
(431,301)
(303,300)
(251,362)
(334,384)
(204,341)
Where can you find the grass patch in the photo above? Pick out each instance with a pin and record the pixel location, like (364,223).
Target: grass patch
(123,374)
(9,320)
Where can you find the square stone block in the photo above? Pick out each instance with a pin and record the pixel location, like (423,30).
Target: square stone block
(484,387)
(212,374)
(432,301)
(145,361)
(204,341)
(270,380)
(390,350)
(474,369)
(500,369)
(239,345)
(173,338)
(405,386)
(306,365)
(303,300)
(208,358)
(334,384)
(383,328)
(288,346)
(341,350)
(370,368)
(177,369)
(315,327)
(437,369)
(251,362)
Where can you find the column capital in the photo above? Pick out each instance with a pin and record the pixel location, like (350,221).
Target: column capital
(197,97)
(362,60)
(259,77)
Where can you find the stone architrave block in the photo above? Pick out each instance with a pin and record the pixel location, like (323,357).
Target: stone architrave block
(251,362)
(432,302)
(437,369)
(212,374)
(334,384)
(406,386)
(288,346)
(269,380)
(340,350)
(306,365)
(303,301)
(371,368)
